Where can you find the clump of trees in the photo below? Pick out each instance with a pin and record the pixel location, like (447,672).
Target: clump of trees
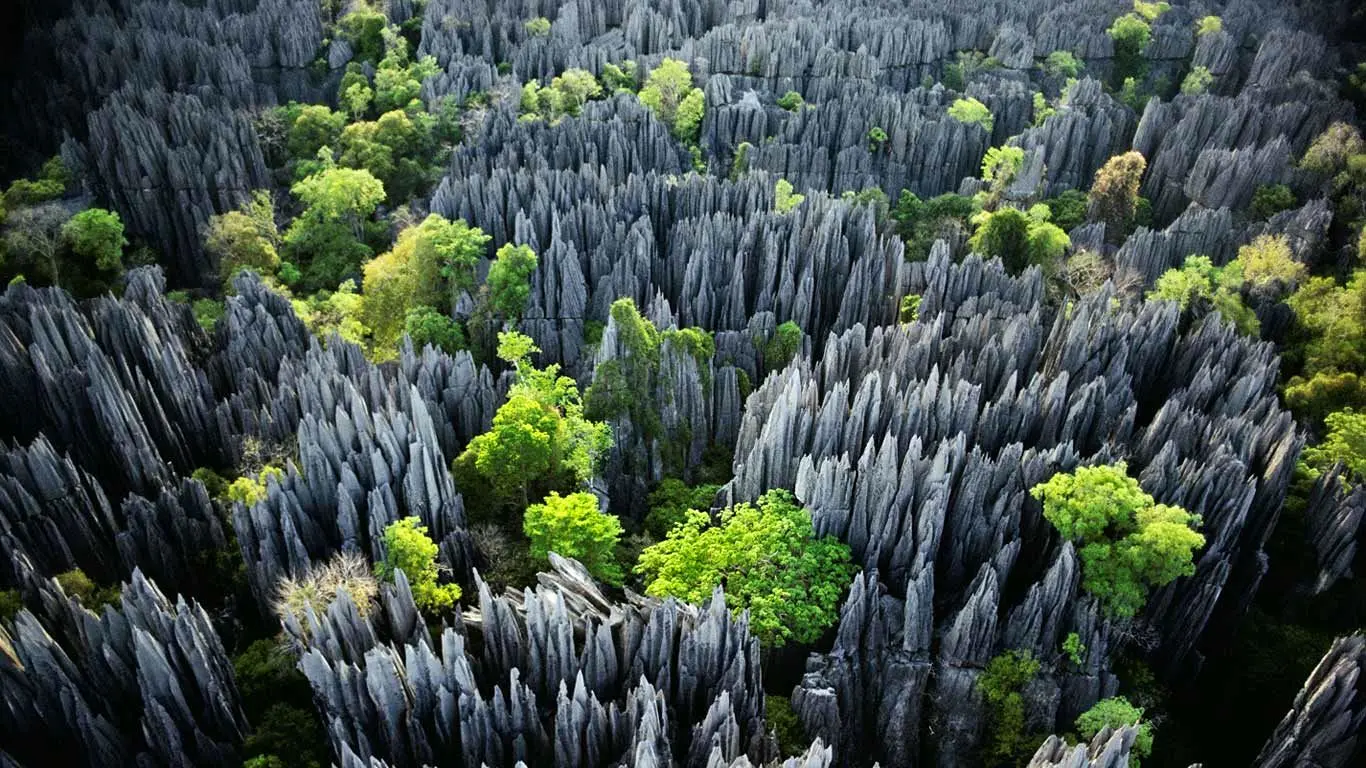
(1127,543)
(1001,685)
(921,222)
(669,93)
(564,97)
(1117,712)
(1019,239)
(246,238)
(769,559)
(1199,287)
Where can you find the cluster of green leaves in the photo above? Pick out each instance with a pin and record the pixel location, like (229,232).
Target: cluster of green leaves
(623,78)
(1344,441)
(1000,166)
(767,557)
(671,501)
(877,139)
(966,64)
(972,112)
(573,526)
(783,345)
(1197,81)
(1019,239)
(786,726)
(565,96)
(1068,209)
(1332,354)
(1127,542)
(791,101)
(245,238)
(1001,684)
(1271,199)
(328,239)
(327,312)
(537,27)
(91,595)
(1042,109)
(784,199)
(408,288)
(669,93)
(52,182)
(540,438)
(909,312)
(1117,712)
(1199,287)
(1209,25)
(1130,34)
(279,704)
(408,548)
(1062,64)
(921,222)
(43,241)
(251,490)
(1074,649)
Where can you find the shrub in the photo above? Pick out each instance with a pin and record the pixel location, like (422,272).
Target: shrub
(1114,192)
(670,503)
(1068,209)
(408,548)
(877,138)
(1074,648)
(573,526)
(1331,149)
(317,588)
(920,223)
(784,201)
(425,325)
(910,308)
(785,725)
(96,237)
(1209,25)
(783,345)
(1000,685)
(668,92)
(1127,542)
(972,112)
(769,560)
(91,595)
(1062,64)
(1345,441)
(538,27)
(1130,34)
(1114,713)
(1271,199)
(1197,81)
(1042,109)
(790,101)
(1267,261)
(364,29)
(1150,11)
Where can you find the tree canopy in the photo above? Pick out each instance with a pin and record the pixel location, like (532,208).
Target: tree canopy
(573,526)
(1127,542)
(408,548)
(767,557)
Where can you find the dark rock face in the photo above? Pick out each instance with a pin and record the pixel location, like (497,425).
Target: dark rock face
(1324,725)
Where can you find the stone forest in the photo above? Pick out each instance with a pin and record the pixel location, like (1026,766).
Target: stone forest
(683,383)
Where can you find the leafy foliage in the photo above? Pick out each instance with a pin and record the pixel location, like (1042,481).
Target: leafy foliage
(972,112)
(408,548)
(1019,239)
(1197,81)
(1267,260)
(786,726)
(327,236)
(539,435)
(95,236)
(252,490)
(1130,33)
(1074,648)
(1000,685)
(1128,543)
(364,28)
(672,500)
(1330,151)
(784,200)
(1062,64)
(783,345)
(1271,199)
(790,101)
(573,526)
(538,27)
(1345,442)
(920,223)
(767,557)
(1068,209)
(245,238)
(1114,713)
(91,595)
(668,92)
(509,279)
(1209,25)
(11,602)
(425,325)
(877,138)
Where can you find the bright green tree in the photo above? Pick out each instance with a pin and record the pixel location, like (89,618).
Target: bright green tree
(540,436)
(768,559)
(315,127)
(425,325)
(783,345)
(672,500)
(668,92)
(538,27)
(364,29)
(1197,81)
(245,238)
(790,101)
(1267,260)
(1334,351)
(784,200)
(973,112)
(95,236)
(1019,239)
(509,279)
(1127,542)
(1345,442)
(1068,209)
(327,236)
(1130,34)
(1117,712)
(921,222)
(408,548)
(1200,287)
(1209,25)
(573,526)
(1062,64)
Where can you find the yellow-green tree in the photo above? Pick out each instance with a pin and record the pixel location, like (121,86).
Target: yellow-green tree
(573,526)
(669,93)
(245,238)
(408,548)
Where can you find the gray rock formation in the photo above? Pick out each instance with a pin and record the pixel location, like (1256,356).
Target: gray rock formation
(1323,727)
